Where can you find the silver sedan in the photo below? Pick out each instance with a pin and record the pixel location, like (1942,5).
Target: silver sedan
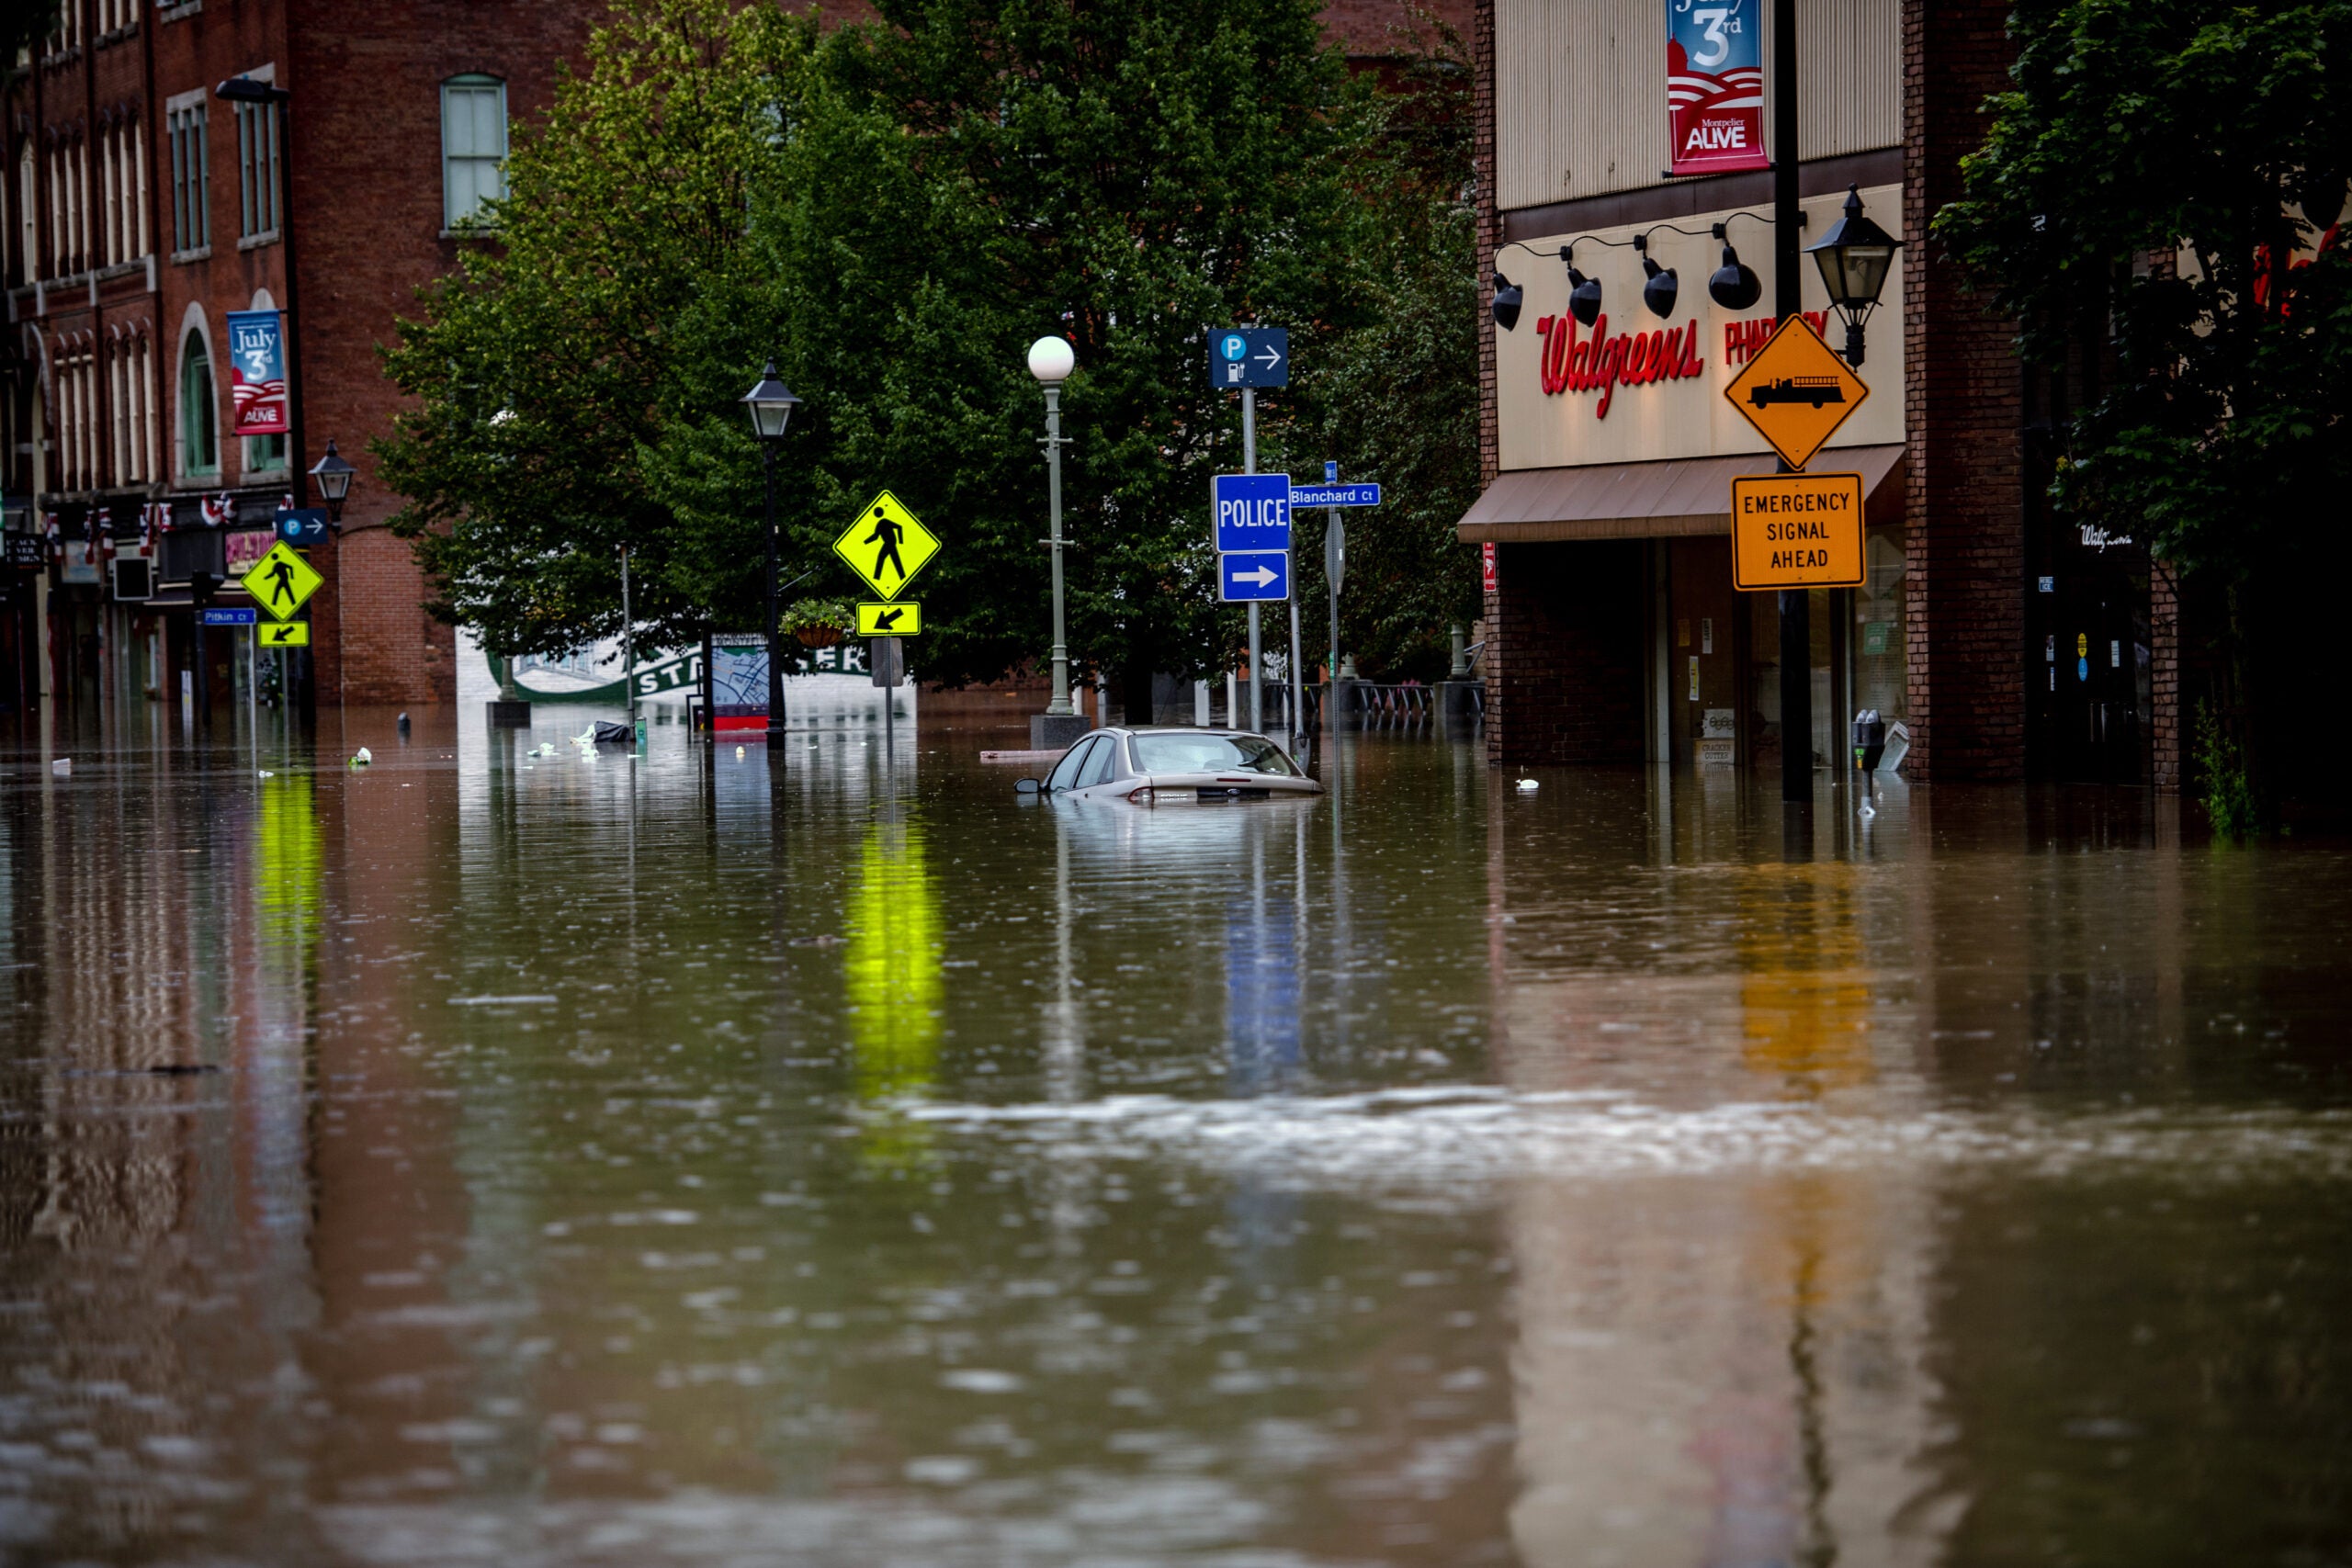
(1166,767)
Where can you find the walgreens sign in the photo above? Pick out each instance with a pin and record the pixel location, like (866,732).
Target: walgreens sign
(1571,361)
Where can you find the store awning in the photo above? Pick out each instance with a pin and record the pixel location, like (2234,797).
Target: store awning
(1681,496)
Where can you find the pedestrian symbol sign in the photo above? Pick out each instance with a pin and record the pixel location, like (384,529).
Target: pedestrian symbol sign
(890,620)
(281,582)
(887,546)
(286,634)
(1796,391)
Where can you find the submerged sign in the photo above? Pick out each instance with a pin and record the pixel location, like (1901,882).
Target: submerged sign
(1796,531)
(1714,85)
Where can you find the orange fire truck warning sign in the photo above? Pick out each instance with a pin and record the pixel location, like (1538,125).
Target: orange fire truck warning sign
(1796,391)
(1796,531)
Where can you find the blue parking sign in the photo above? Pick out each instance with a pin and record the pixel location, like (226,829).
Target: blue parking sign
(1256,574)
(1250,356)
(1252,511)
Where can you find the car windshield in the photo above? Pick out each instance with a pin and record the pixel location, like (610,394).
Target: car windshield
(1211,754)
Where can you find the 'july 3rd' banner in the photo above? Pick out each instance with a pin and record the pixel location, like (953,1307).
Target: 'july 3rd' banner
(1714,84)
(257,373)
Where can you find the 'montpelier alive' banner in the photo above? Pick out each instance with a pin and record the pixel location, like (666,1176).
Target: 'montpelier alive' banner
(1714,85)
(257,373)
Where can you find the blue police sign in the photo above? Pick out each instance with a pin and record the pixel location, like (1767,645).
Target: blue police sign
(1255,574)
(239,615)
(1335,495)
(1250,356)
(1252,511)
(304,528)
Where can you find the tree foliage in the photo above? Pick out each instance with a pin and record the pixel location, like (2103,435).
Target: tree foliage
(893,211)
(2156,207)
(2159,191)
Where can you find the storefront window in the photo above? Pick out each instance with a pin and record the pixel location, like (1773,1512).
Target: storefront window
(1879,661)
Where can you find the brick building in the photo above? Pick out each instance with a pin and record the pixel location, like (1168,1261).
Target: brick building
(144,209)
(2007,647)
(140,208)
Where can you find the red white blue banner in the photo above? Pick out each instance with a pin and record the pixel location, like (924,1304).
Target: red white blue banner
(257,373)
(1714,84)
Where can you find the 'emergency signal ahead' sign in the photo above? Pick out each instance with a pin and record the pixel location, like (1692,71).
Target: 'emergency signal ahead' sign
(1796,531)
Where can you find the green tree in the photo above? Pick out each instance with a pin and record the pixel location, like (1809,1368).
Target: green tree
(549,370)
(2154,205)
(1396,397)
(894,211)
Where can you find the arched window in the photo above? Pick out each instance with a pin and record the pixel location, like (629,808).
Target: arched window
(199,452)
(473,147)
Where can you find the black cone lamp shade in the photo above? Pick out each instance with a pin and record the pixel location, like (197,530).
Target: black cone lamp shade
(1735,284)
(1584,297)
(1509,298)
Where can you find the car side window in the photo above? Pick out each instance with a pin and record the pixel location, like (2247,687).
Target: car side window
(1065,774)
(1097,768)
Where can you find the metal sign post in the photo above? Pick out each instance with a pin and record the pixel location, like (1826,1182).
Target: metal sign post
(1249,466)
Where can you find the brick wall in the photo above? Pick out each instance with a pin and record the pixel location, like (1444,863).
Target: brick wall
(1966,577)
(1564,630)
(2163,671)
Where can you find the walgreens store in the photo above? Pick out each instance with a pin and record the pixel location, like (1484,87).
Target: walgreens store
(1613,631)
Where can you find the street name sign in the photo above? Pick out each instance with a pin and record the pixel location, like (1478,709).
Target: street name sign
(1255,574)
(887,546)
(286,634)
(890,620)
(1796,391)
(302,528)
(1334,495)
(1252,511)
(232,616)
(1250,356)
(1796,531)
(281,582)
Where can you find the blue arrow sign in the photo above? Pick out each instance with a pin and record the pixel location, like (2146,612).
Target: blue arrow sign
(1335,495)
(1250,356)
(1254,574)
(303,528)
(243,616)
(1252,511)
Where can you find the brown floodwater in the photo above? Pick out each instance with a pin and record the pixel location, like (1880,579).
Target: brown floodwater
(490,1158)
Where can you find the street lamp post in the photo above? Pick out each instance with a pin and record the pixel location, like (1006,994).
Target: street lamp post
(770,404)
(1855,257)
(1051,359)
(333,475)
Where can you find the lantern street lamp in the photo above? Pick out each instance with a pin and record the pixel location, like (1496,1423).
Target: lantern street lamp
(1854,257)
(334,477)
(1051,359)
(770,404)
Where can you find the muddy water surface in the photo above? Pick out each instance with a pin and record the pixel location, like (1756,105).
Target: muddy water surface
(485,1157)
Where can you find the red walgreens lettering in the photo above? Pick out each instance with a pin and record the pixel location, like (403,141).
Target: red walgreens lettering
(1569,362)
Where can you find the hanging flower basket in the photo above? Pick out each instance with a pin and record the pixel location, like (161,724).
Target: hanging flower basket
(819,623)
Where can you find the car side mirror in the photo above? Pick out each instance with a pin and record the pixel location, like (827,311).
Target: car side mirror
(1026,786)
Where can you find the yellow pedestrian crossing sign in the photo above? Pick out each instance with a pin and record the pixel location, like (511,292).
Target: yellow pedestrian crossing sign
(887,546)
(281,582)
(286,634)
(890,620)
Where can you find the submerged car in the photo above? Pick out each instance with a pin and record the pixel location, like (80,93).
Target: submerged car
(1165,767)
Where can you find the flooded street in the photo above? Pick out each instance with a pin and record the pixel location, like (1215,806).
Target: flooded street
(484,1158)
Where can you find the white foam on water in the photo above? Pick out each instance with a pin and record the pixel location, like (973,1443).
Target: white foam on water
(1444,1137)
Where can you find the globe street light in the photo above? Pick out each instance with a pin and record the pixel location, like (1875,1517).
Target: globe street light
(1051,359)
(770,404)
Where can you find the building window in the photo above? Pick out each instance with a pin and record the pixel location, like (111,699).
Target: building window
(200,454)
(265,454)
(473,147)
(256,170)
(191,191)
